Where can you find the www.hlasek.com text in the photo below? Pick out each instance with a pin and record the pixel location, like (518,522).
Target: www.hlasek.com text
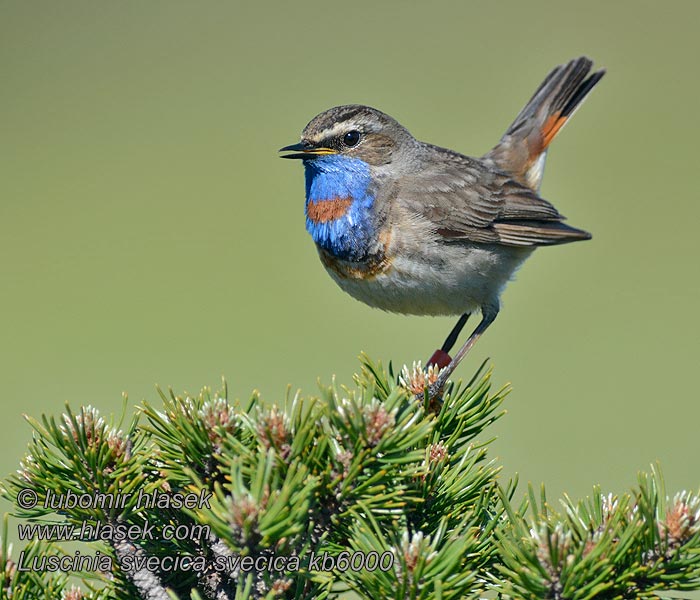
(99,531)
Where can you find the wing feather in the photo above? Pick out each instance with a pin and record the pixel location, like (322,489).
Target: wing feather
(468,200)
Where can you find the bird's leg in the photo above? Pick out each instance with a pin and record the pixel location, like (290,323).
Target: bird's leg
(488,316)
(454,334)
(441,357)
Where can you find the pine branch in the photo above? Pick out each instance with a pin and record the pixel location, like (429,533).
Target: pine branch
(362,488)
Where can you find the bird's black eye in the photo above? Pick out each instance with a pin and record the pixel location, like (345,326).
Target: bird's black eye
(351,138)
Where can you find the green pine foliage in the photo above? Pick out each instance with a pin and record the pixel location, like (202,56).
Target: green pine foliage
(364,489)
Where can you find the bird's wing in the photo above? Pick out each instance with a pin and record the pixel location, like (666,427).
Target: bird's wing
(467,200)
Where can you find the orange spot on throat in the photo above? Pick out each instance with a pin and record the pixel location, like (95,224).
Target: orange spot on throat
(322,211)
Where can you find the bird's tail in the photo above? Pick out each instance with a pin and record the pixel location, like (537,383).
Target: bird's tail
(523,148)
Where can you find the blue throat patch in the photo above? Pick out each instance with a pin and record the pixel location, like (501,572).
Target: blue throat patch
(338,206)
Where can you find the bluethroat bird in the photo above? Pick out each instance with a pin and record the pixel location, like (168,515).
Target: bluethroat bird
(413,228)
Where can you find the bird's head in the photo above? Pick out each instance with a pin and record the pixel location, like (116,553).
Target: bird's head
(352,131)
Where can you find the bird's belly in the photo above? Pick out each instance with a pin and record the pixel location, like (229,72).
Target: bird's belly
(437,279)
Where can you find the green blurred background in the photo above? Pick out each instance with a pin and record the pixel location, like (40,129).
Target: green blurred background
(150,234)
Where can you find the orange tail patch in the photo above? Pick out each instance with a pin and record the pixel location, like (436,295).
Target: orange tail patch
(551,127)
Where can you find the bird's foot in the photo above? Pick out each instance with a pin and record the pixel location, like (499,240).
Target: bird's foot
(436,389)
(430,379)
(441,360)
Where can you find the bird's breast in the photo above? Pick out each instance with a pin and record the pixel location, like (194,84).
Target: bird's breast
(373,264)
(340,212)
(412,271)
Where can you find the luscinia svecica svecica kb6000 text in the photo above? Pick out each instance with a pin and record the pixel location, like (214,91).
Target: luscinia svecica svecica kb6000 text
(413,228)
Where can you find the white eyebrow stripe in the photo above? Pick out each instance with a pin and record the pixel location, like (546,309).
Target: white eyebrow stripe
(338,128)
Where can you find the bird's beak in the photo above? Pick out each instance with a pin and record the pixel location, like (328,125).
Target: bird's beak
(305,151)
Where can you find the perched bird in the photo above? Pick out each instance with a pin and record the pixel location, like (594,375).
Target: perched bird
(413,228)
